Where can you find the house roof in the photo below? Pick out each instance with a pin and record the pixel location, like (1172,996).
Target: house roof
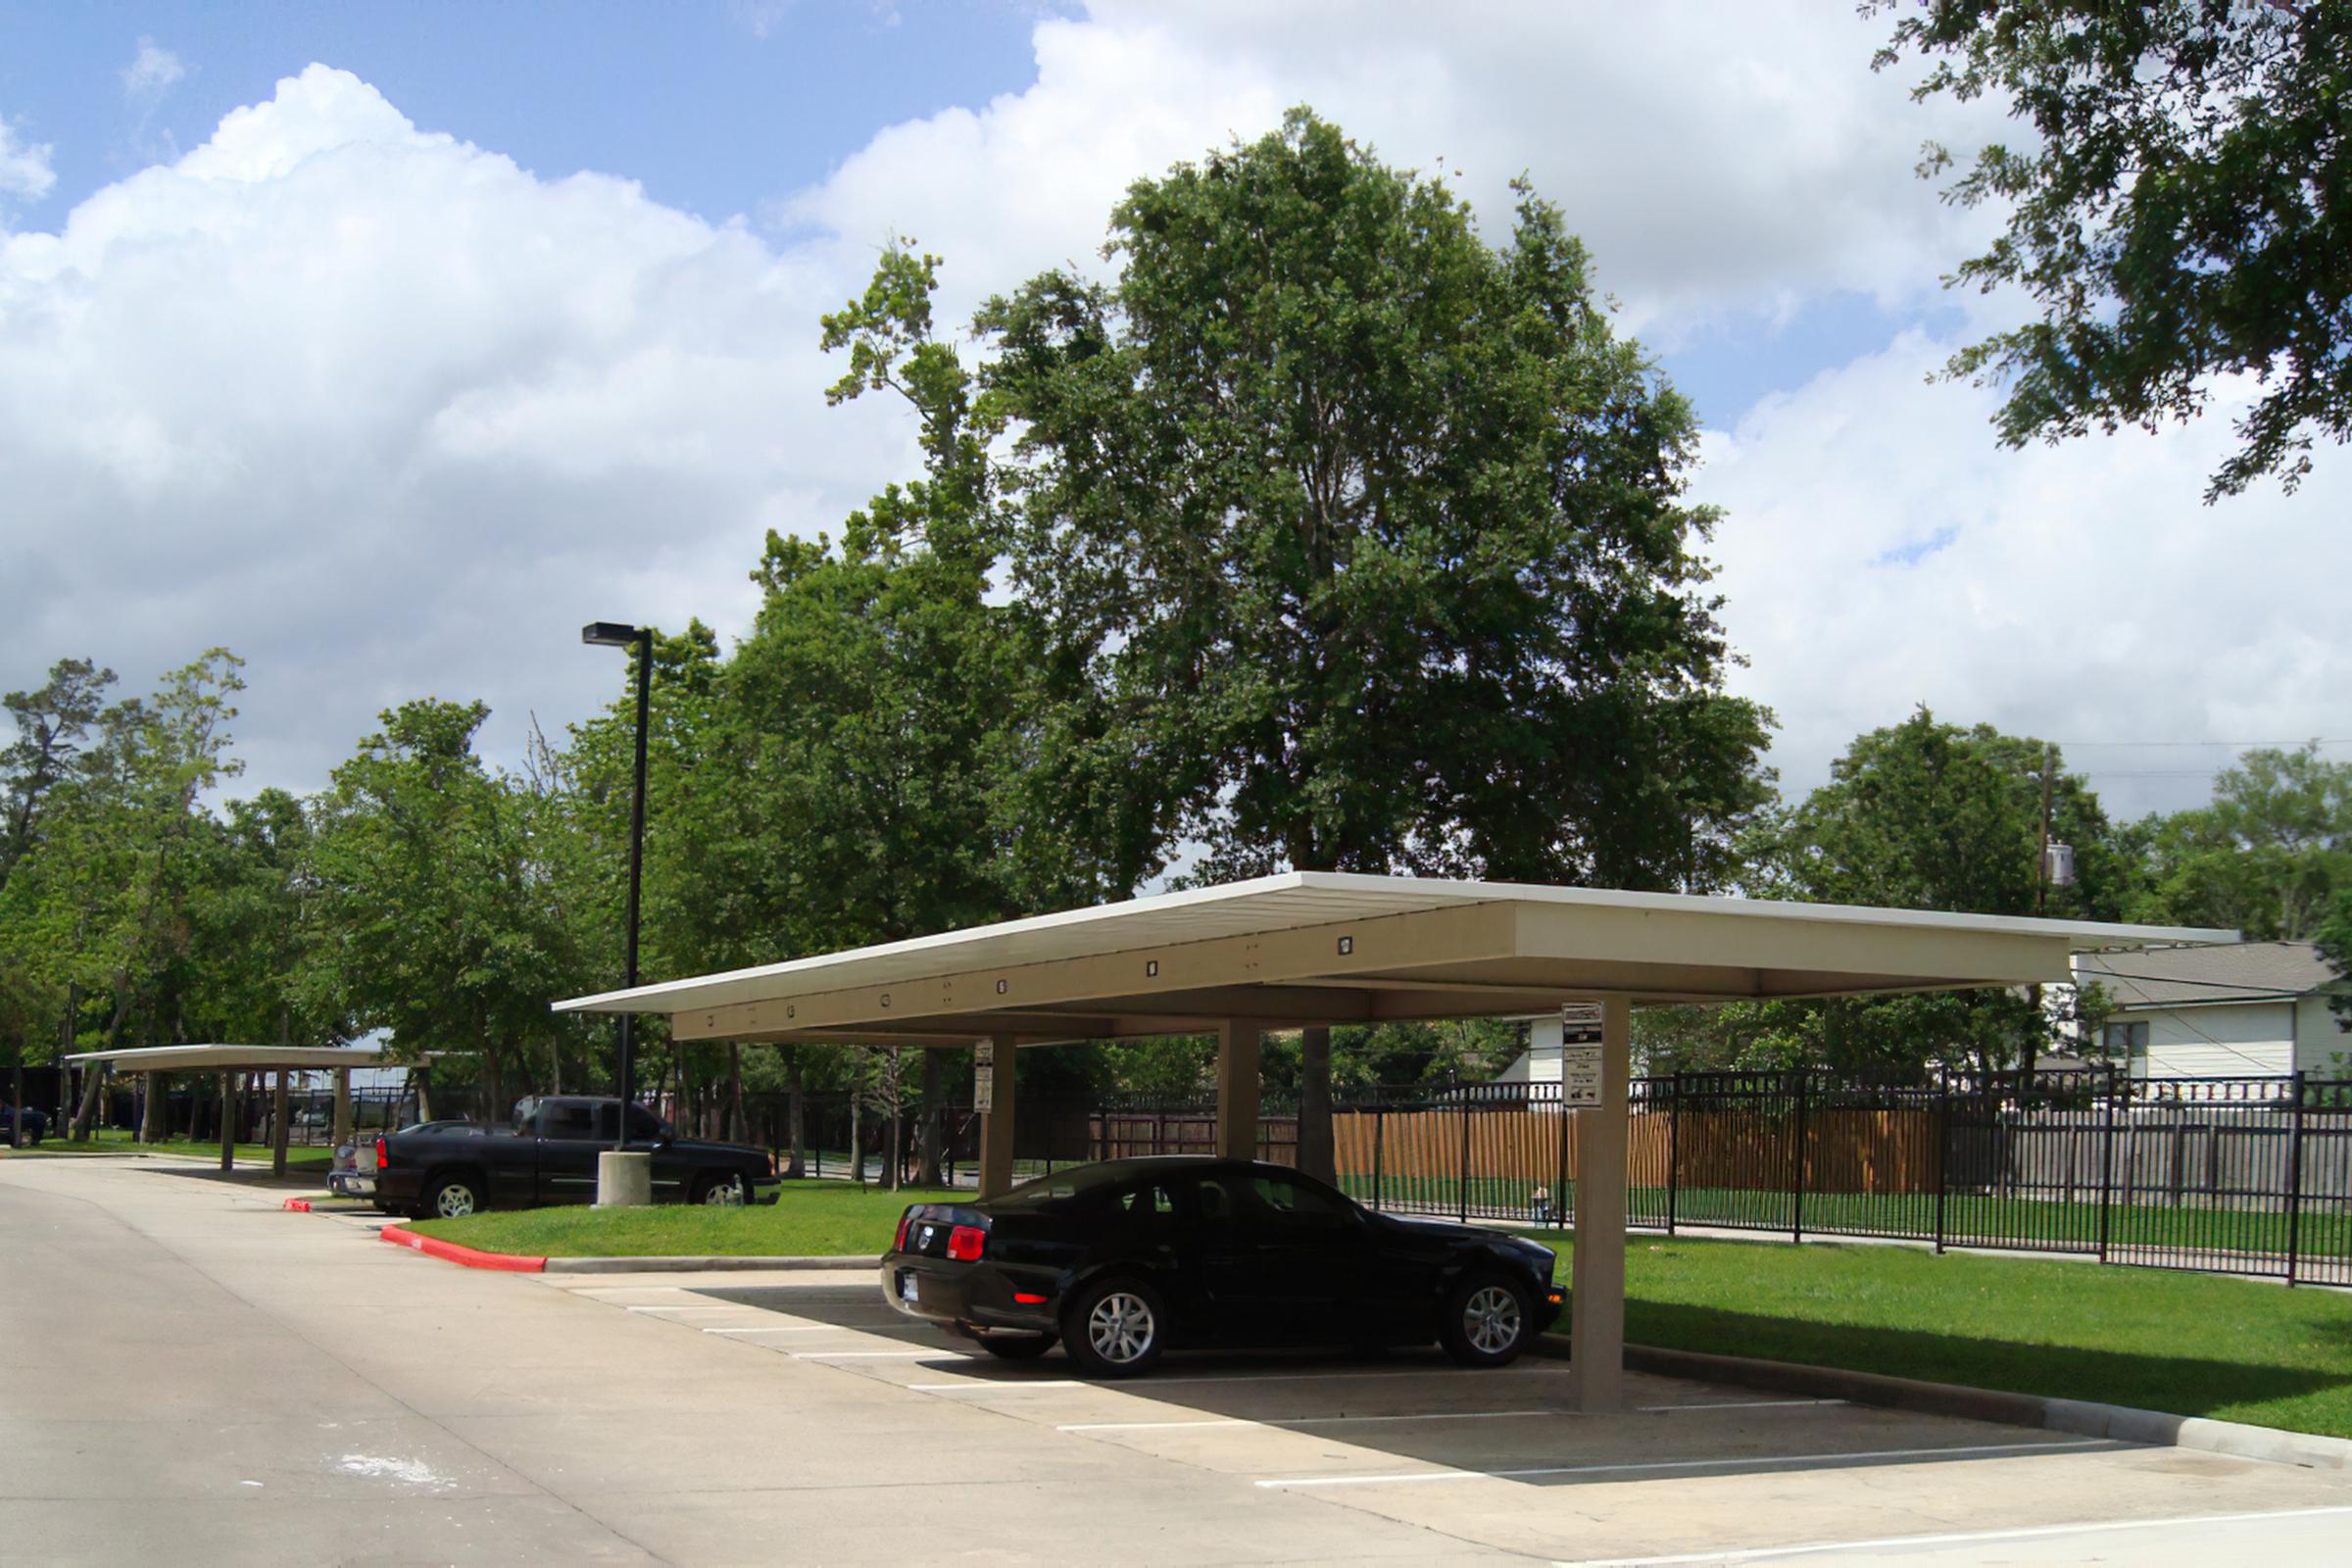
(1315,947)
(2168,977)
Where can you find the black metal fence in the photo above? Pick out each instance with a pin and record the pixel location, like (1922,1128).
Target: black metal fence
(2233,1175)
(2245,1175)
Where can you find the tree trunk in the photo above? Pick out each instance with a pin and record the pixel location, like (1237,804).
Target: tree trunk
(1318,1153)
(928,1134)
(93,1084)
(795,1120)
(857,1099)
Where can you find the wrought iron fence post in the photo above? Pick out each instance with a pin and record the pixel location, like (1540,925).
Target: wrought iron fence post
(1461,1193)
(1560,1190)
(1943,1150)
(2294,1175)
(1674,1146)
(2106,1159)
(1796,1213)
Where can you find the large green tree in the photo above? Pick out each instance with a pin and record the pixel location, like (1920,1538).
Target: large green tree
(1919,816)
(2179,208)
(1371,536)
(2266,856)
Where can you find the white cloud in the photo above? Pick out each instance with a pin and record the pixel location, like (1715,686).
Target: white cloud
(26,172)
(1722,162)
(1881,551)
(392,416)
(151,73)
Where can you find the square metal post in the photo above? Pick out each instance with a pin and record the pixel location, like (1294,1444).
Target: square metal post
(278,1108)
(996,1121)
(1596,1278)
(1237,1087)
(228,1119)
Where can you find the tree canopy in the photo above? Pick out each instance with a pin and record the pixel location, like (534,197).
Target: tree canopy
(2180,210)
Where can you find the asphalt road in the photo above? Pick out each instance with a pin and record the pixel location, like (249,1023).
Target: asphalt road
(188,1374)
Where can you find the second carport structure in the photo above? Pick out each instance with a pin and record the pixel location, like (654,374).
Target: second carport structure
(1332,947)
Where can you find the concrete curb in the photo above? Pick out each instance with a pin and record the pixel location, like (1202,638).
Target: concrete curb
(2083,1418)
(451,1251)
(698,1265)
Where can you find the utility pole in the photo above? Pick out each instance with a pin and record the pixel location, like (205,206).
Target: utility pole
(2042,856)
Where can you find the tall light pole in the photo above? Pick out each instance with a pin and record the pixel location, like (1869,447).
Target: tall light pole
(614,634)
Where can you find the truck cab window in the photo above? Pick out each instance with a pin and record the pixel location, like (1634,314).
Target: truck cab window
(566,1121)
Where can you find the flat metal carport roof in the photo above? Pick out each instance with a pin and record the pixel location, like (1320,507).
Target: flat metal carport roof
(1318,946)
(228,1058)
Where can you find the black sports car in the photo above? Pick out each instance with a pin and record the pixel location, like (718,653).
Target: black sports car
(1121,1261)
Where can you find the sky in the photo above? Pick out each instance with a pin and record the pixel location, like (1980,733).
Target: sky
(387,345)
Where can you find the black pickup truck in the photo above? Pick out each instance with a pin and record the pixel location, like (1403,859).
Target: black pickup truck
(548,1155)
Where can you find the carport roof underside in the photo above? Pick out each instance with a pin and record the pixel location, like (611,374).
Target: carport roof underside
(1326,947)
(228,1058)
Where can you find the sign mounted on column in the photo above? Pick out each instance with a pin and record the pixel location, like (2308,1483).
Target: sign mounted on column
(1580,1054)
(984,1077)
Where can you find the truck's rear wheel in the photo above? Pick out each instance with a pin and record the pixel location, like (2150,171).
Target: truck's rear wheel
(454,1198)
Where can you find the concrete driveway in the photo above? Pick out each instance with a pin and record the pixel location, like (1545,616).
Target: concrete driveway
(192,1374)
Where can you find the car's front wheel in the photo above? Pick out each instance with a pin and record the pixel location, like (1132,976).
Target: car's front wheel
(454,1198)
(1489,1320)
(721,1191)
(1114,1328)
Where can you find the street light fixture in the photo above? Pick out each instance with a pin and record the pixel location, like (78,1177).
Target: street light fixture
(617,634)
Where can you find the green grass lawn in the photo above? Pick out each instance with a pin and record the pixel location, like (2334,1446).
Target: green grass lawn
(2187,1343)
(115,1140)
(810,1219)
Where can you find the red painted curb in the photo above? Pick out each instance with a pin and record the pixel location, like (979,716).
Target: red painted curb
(300,1206)
(451,1251)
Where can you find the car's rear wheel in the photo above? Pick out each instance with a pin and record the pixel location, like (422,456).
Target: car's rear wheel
(721,1191)
(1489,1320)
(1016,1347)
(1114,1328)
(454,1198)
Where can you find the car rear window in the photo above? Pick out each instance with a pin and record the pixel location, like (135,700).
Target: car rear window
(1064,1191)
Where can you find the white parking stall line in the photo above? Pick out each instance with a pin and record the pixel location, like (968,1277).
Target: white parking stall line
(1973,1451)
(1739,1404)
(1309,1420)
(992,1385)
(688,1306)
(1966,1538)
(1500,1374)
(809,1327)
(867,1355)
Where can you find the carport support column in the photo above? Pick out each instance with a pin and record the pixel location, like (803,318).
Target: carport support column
(1597,1273)
(995,1124)
(342,1106)
(229,1118)
(158,1101)
(1237,1087)
(277,1124)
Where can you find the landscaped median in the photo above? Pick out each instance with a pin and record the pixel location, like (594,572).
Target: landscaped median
(2189,1345)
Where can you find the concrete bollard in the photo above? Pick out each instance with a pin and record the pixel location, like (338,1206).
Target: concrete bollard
(625,1179)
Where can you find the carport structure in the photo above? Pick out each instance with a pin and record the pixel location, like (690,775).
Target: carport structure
(1328,947)
(159,1061)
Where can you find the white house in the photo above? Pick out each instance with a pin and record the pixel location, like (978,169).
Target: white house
(2220,1011)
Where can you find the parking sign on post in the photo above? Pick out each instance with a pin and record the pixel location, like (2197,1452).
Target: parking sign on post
(1580,1054)
(984,1077)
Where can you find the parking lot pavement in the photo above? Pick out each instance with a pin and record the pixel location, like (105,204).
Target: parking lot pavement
(192,1374)
(1687,1473)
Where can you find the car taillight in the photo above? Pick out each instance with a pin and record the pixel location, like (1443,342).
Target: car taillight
(965,1243)
(382,1158)
(898,1242)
